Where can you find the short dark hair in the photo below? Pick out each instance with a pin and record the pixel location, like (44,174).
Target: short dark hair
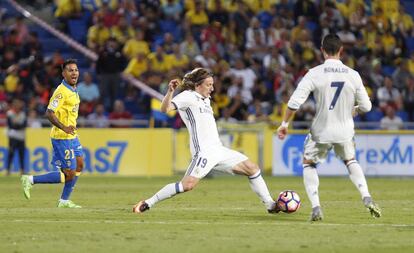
(331,43)
(67,62)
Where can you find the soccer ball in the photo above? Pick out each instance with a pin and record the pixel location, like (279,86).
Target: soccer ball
(288,201)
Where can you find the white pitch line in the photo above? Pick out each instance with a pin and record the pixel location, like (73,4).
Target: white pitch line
(276,222)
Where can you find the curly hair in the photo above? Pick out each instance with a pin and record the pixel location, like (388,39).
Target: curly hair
(194,78)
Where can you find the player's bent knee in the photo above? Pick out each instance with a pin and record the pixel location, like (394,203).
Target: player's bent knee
(69,174)
(250,168)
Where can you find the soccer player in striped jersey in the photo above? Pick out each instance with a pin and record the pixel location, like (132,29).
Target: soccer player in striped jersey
(336,89)
(193,105)
(62,112)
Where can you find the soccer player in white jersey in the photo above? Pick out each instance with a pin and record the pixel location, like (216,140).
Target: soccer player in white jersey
(193,105)
(339,94)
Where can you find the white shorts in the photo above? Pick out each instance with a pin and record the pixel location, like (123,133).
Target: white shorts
(317,152)
(219,158)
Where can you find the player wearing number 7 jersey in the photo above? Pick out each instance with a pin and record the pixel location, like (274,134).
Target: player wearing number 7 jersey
(339,93)
(193,105)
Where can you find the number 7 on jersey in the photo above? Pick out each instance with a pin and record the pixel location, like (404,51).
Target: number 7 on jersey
(338,86)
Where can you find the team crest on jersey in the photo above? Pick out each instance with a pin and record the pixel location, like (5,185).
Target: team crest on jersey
(76,108)
(68,163)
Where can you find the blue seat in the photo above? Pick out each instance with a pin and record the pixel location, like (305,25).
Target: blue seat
(51,45)
(388,70)
(159,116)
(409,42)
(265,19)
(170,26)
(78,30)
(311,25)
(41,33)
(141,116)
(161,119)
(374,116)
(403,115)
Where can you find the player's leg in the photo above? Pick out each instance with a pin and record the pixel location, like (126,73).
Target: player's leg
(199,167)
(21,150)
(311,182)
(233,162)
(71,176)
(346,151)
(314,153)
(12,150)
(186,184)
(54,177)
(257,183)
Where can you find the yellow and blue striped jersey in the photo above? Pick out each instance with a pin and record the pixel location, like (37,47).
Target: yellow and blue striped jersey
(65,103)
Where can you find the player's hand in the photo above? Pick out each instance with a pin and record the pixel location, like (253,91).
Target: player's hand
(173,85)
(69,130)
(355,111)
(282,132)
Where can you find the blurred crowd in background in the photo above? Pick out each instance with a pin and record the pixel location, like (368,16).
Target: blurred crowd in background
(258,51)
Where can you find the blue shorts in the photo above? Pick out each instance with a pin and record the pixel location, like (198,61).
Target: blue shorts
(65,153)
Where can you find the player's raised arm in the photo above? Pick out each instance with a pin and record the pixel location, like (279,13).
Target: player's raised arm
(166,104)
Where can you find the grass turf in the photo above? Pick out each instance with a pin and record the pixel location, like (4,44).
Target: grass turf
(220,215)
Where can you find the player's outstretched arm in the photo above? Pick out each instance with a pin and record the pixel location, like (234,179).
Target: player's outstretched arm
(166,104)
(55,121)
(282,130)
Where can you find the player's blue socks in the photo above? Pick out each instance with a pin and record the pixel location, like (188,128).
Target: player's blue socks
(55,177)
(68,188)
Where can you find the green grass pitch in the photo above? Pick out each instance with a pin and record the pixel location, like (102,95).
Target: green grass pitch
(221,215)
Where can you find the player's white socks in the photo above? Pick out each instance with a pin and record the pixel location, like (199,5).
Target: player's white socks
(166,192)
(311,181)
(358,178)
(259,186)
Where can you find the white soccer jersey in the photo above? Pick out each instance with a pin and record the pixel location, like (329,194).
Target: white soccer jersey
(336,89)
(197,114)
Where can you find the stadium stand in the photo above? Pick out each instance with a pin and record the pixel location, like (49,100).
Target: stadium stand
(275,52)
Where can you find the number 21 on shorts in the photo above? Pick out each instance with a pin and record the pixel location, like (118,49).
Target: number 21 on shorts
(69,154)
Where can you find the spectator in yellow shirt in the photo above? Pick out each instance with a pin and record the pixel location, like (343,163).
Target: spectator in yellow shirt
(67,8)
(411,63)
(258,6)
(137,65)
(98,34)
(136,45)
(369,33)
(177,59)
(123,31)
(402,21)
(388,42)
(12,79)
(347,7)
(198,16)
(159,61)
(380,20)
